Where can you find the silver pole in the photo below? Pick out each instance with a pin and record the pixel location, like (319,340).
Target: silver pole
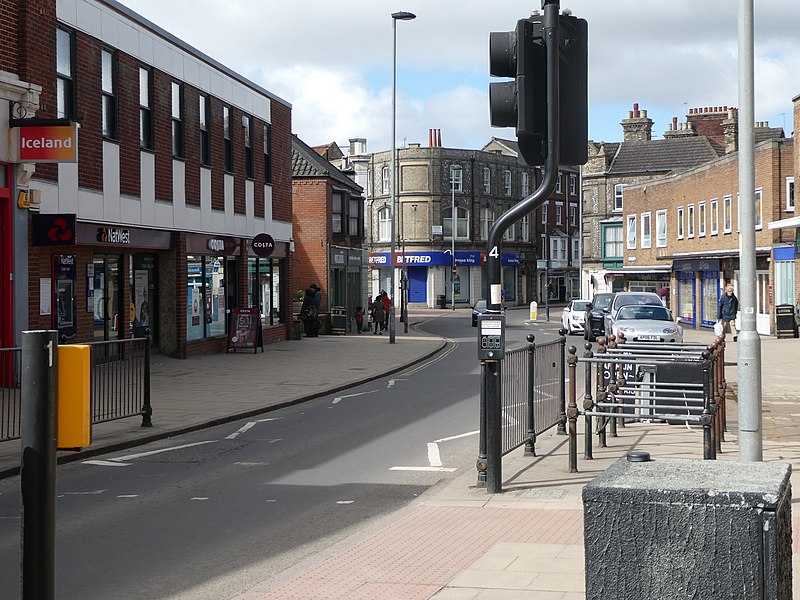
(749,348)
(453,237)
(393,181)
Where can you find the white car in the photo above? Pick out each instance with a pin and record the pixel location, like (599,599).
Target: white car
(572,318)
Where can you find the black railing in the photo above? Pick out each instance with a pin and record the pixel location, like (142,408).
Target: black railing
(119,388)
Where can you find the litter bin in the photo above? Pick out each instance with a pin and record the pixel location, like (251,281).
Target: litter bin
(338,320)
(441,302)
(784,321)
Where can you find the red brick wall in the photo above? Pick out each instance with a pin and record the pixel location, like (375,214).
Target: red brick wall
(128,121)
(281,162)
(162,133)
(14,17)
(191,128)
(311,199)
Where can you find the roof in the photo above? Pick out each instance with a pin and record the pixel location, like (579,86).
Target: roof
(662,155)
(307,163)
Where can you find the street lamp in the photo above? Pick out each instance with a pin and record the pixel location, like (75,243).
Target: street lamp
(398,16)
(453,169)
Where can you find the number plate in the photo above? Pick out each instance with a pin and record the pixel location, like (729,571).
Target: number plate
(649,338)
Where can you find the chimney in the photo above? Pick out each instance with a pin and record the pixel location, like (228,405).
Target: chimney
(730,127)
(637,127)
(358,146)
(708,121)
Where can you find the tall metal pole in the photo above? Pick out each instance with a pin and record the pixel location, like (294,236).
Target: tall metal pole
(453,236)
(749,348)
(402,16)
(38,465)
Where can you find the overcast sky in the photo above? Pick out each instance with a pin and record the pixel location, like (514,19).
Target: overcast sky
(333,60)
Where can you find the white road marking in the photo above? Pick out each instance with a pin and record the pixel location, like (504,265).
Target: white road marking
(344,501)
(152,452)
(199,498)
(433,455)
(455,437)
(106,463)
(252,464)
(128,496)
(92,493)
(340,398)
(247,426)
(431,469)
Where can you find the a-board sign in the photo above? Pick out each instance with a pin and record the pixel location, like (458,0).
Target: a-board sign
(244,329)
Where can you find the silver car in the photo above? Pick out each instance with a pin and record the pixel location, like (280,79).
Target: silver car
(646,323)
(621,299)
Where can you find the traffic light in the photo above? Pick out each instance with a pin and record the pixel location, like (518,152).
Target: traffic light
(522,103)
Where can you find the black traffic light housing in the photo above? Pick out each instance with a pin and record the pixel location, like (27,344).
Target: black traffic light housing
(522,103)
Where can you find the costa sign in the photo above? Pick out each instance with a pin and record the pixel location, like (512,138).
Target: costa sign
(48,143)
(263,244)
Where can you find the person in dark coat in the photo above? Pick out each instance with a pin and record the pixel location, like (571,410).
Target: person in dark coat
(308,312)
(726,313)
(378,315)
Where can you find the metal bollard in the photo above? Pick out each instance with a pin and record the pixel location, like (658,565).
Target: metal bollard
(530,443)
(601,397)
(147,409)
(562,421)
(587,404)
(572,411)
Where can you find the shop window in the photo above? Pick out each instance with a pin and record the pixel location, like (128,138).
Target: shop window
(206,304)
(65,68)
(263,291)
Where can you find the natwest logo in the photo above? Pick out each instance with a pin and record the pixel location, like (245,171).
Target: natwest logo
(113,235)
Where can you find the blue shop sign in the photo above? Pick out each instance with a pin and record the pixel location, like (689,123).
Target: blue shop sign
(509,259)
(432,259)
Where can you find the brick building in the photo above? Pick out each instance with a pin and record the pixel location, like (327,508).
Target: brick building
(328,228)
(181,162)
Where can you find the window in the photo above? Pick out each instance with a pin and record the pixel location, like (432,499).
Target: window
(727,215)
(790,194)
(507,182)
(680,222)
(526,186)
(558,249)
(385,180)
(573,215)
(618,196)
(65,87)
(337,209)
(646,230)
(559,213)
(701,219)
(576,249)
(758,209)
(508,236)
(206,306)
(487,220)
(525,227)
(263,289)
(690,221)
(631,232)
(544,212)
(456,178)
(612,242)
(202,111)
(714,216)
(145,110)
(661,229)
(558,184)
(267,153)
(384,225)
(247,123)
(109,85)
(227,135)
(573,185)
(462,223)
(177,120)
(354,216)
(487,180)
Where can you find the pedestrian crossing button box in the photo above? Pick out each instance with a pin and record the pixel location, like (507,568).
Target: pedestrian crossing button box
(491,336)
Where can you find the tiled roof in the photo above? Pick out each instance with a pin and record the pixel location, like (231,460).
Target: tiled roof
(307,163)
(767,133)
(662,155)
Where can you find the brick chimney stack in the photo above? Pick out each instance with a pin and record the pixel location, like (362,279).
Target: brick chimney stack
(637,127)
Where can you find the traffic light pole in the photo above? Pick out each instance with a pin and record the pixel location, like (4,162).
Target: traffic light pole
(491,371)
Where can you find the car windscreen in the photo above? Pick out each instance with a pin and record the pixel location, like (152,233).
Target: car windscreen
(602,302)
(580,306)
(643,313)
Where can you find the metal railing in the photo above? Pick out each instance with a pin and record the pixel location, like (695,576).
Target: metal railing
(119,387)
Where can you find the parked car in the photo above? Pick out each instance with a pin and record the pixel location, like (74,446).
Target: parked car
(621,299)
(646,323)
(479,309)
(593,319)
(574,315)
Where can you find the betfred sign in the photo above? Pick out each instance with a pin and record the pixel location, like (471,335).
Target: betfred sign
(48,143)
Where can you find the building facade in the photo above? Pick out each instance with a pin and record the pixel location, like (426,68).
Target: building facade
(180,164)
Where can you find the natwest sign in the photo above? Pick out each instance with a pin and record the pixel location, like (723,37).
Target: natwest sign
(48,143)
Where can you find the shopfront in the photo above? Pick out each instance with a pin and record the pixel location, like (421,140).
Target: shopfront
(698,289)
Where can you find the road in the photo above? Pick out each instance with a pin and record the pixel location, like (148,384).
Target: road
(210,514)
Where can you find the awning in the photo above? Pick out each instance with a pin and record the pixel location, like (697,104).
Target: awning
(632,270)
(791,222)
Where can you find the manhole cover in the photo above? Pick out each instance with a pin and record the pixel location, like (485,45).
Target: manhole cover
(543,494)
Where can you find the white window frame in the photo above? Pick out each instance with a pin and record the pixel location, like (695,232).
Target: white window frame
(526,185)
(456,178)
(386,181)
(661,226)
(630,232)
(681,222)
(558,184)
(559,213)
(462,222)
(714,216)
(573,184)
(647,230)
(576,248)
(508,236)
(701,219)
(790,194)
(544,212)
(758,198)
(384,224)
(525,226)
(690,221)
(487,180)
(573,215)
(487,220)
(507,182)
(618,196)
(727,214)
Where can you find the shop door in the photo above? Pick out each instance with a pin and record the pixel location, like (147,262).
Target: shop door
(109,323)
(418,284)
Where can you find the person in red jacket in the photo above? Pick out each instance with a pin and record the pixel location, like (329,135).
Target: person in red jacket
(387,304)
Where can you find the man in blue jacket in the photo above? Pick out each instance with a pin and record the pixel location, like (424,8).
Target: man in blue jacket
(726,312)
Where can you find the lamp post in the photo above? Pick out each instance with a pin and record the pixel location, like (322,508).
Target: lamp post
(453,169)
(398,16)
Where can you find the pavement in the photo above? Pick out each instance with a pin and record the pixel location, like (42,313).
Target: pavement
(455,542)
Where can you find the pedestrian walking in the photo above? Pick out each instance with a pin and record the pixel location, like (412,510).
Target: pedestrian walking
(359,317)
(308,312)
(387,306)
(378,315)
(726,312)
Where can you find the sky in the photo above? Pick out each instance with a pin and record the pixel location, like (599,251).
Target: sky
(333,61)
